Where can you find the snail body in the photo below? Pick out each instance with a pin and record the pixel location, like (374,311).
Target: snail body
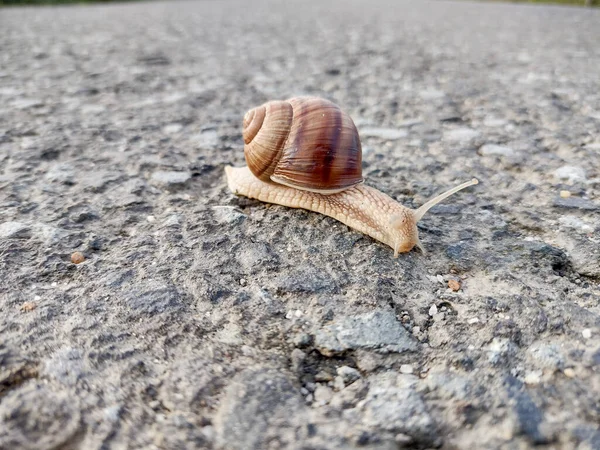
(306,153)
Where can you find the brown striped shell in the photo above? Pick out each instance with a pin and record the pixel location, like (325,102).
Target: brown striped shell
(305,142)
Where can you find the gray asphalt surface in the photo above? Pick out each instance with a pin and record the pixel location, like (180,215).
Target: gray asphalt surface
(199,319)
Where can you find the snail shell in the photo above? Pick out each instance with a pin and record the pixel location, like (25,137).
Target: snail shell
(306,143)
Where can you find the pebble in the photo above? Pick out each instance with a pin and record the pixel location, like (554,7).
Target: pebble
(377,330)
(338,384)
(402,439)
(28,306)
(461,134)
(172,128)
(253,402)
(323,395)
(547,356)
(323,376)
(406,369)
(151,219)
(389,134)
(576,203)
(571,174)
(473,320)
(565,194)
(92,108)
(397,408)
(492,122)
(228,214)
(63,173)
(174,220)
(454,285)
(13,230)
(433,310)
(575,223)
(569,372)
(348,374)
(409,122)
(586,333)
(534,377)
(496,150)
(207,139)
(171,178)
(77,258)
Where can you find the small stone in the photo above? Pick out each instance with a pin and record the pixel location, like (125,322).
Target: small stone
(406,369)
(207,139)
(11,230)
(297,356)
(586,333)
(494,122)
(348,374)
(228,215)
(395,406)
(576,203)
(576,223)
(170,178)
(454,284)
(28,306)
(323,394)
(77,258)
(323,376)
(338,384)
(533,378)
(565,194)
(151,219)
(174,220)
(461,135)
(546,355)
(258,407)
(389,134)
(433,310)
(569,372)
(62,173)
(172,128)
(571,174)
(403,440)
(496,150)
(473,320)
(377,330)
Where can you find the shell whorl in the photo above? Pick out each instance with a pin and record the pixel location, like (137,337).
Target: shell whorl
(305,142)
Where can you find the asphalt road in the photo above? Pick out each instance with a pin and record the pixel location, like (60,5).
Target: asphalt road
(200,319)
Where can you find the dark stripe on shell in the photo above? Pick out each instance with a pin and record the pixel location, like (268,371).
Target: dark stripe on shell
(332,139)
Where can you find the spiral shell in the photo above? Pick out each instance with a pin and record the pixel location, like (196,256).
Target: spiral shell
(305,142)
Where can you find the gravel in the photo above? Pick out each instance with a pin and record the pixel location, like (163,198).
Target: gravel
(198,319)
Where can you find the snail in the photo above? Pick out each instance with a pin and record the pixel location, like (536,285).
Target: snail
(305,152)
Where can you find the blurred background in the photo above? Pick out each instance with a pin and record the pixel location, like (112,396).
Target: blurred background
(50,2)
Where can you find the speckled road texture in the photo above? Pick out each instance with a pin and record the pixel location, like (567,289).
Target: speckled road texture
(204,320)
